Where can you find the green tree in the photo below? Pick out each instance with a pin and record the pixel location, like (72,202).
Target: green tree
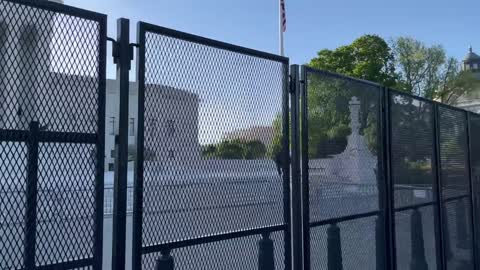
(427,72)
(254,150)
(235,149)
(368,57)
(456,83)
(209,151)
(230,150)
(419,66)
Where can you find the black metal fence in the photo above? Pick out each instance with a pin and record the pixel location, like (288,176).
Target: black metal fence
(212,184)
(52,93)
(387,178)
(239,164)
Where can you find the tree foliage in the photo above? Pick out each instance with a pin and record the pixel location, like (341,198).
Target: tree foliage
(368,57)
(427,72)
(405,64)
(236,149)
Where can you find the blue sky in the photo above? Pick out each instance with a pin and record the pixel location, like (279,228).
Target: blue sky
(312,24)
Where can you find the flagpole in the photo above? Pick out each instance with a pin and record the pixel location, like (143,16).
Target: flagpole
(280,27)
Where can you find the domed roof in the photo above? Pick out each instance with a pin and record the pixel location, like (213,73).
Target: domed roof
(471,56)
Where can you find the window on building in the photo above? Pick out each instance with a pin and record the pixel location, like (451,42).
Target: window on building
(131,127)
(170,128)
(171,154)
(112,125)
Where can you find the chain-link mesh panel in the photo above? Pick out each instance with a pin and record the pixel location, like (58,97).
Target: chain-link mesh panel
(12,203)
(50,69)
(343,169)
(212,163)
(415,238)
(457,231)
(453,152)
(66,194)
(343,146)
(357,244)
(455,182)
(242,254)
(51,77)
(413,148)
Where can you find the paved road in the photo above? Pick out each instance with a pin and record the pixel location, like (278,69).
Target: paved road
(186,211)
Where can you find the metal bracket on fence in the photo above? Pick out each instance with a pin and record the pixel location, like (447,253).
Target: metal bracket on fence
(116,51)
(291,82)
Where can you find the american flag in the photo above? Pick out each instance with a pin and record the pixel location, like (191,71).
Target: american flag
(284,15)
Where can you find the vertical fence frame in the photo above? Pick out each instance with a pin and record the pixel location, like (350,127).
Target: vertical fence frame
(389,210)
(100,155)
(296,205)
(287,212)
(31,196)
(437,167)
(473,215)
(122,47)
(472,193)
(138,175)
(304,167)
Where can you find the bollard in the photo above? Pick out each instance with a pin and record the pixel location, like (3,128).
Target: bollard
(334,248)
(165,262)
(418,260)
(380,242)
(461,222)
(266,259)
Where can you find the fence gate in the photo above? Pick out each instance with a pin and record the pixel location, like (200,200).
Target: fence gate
(52,93)
(212,184)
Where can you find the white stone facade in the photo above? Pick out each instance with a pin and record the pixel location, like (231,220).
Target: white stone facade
(171,123)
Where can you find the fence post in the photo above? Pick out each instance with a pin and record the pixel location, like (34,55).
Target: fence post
(304,167)
(461,222)
(389,189)
(473,194)
(31,197)
(418,262)
(441,221)
(165,262)
(122,56)
(266,260)
(334,248)
(296,190)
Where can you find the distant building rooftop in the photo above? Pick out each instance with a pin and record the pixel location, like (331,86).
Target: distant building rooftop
(471,56)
